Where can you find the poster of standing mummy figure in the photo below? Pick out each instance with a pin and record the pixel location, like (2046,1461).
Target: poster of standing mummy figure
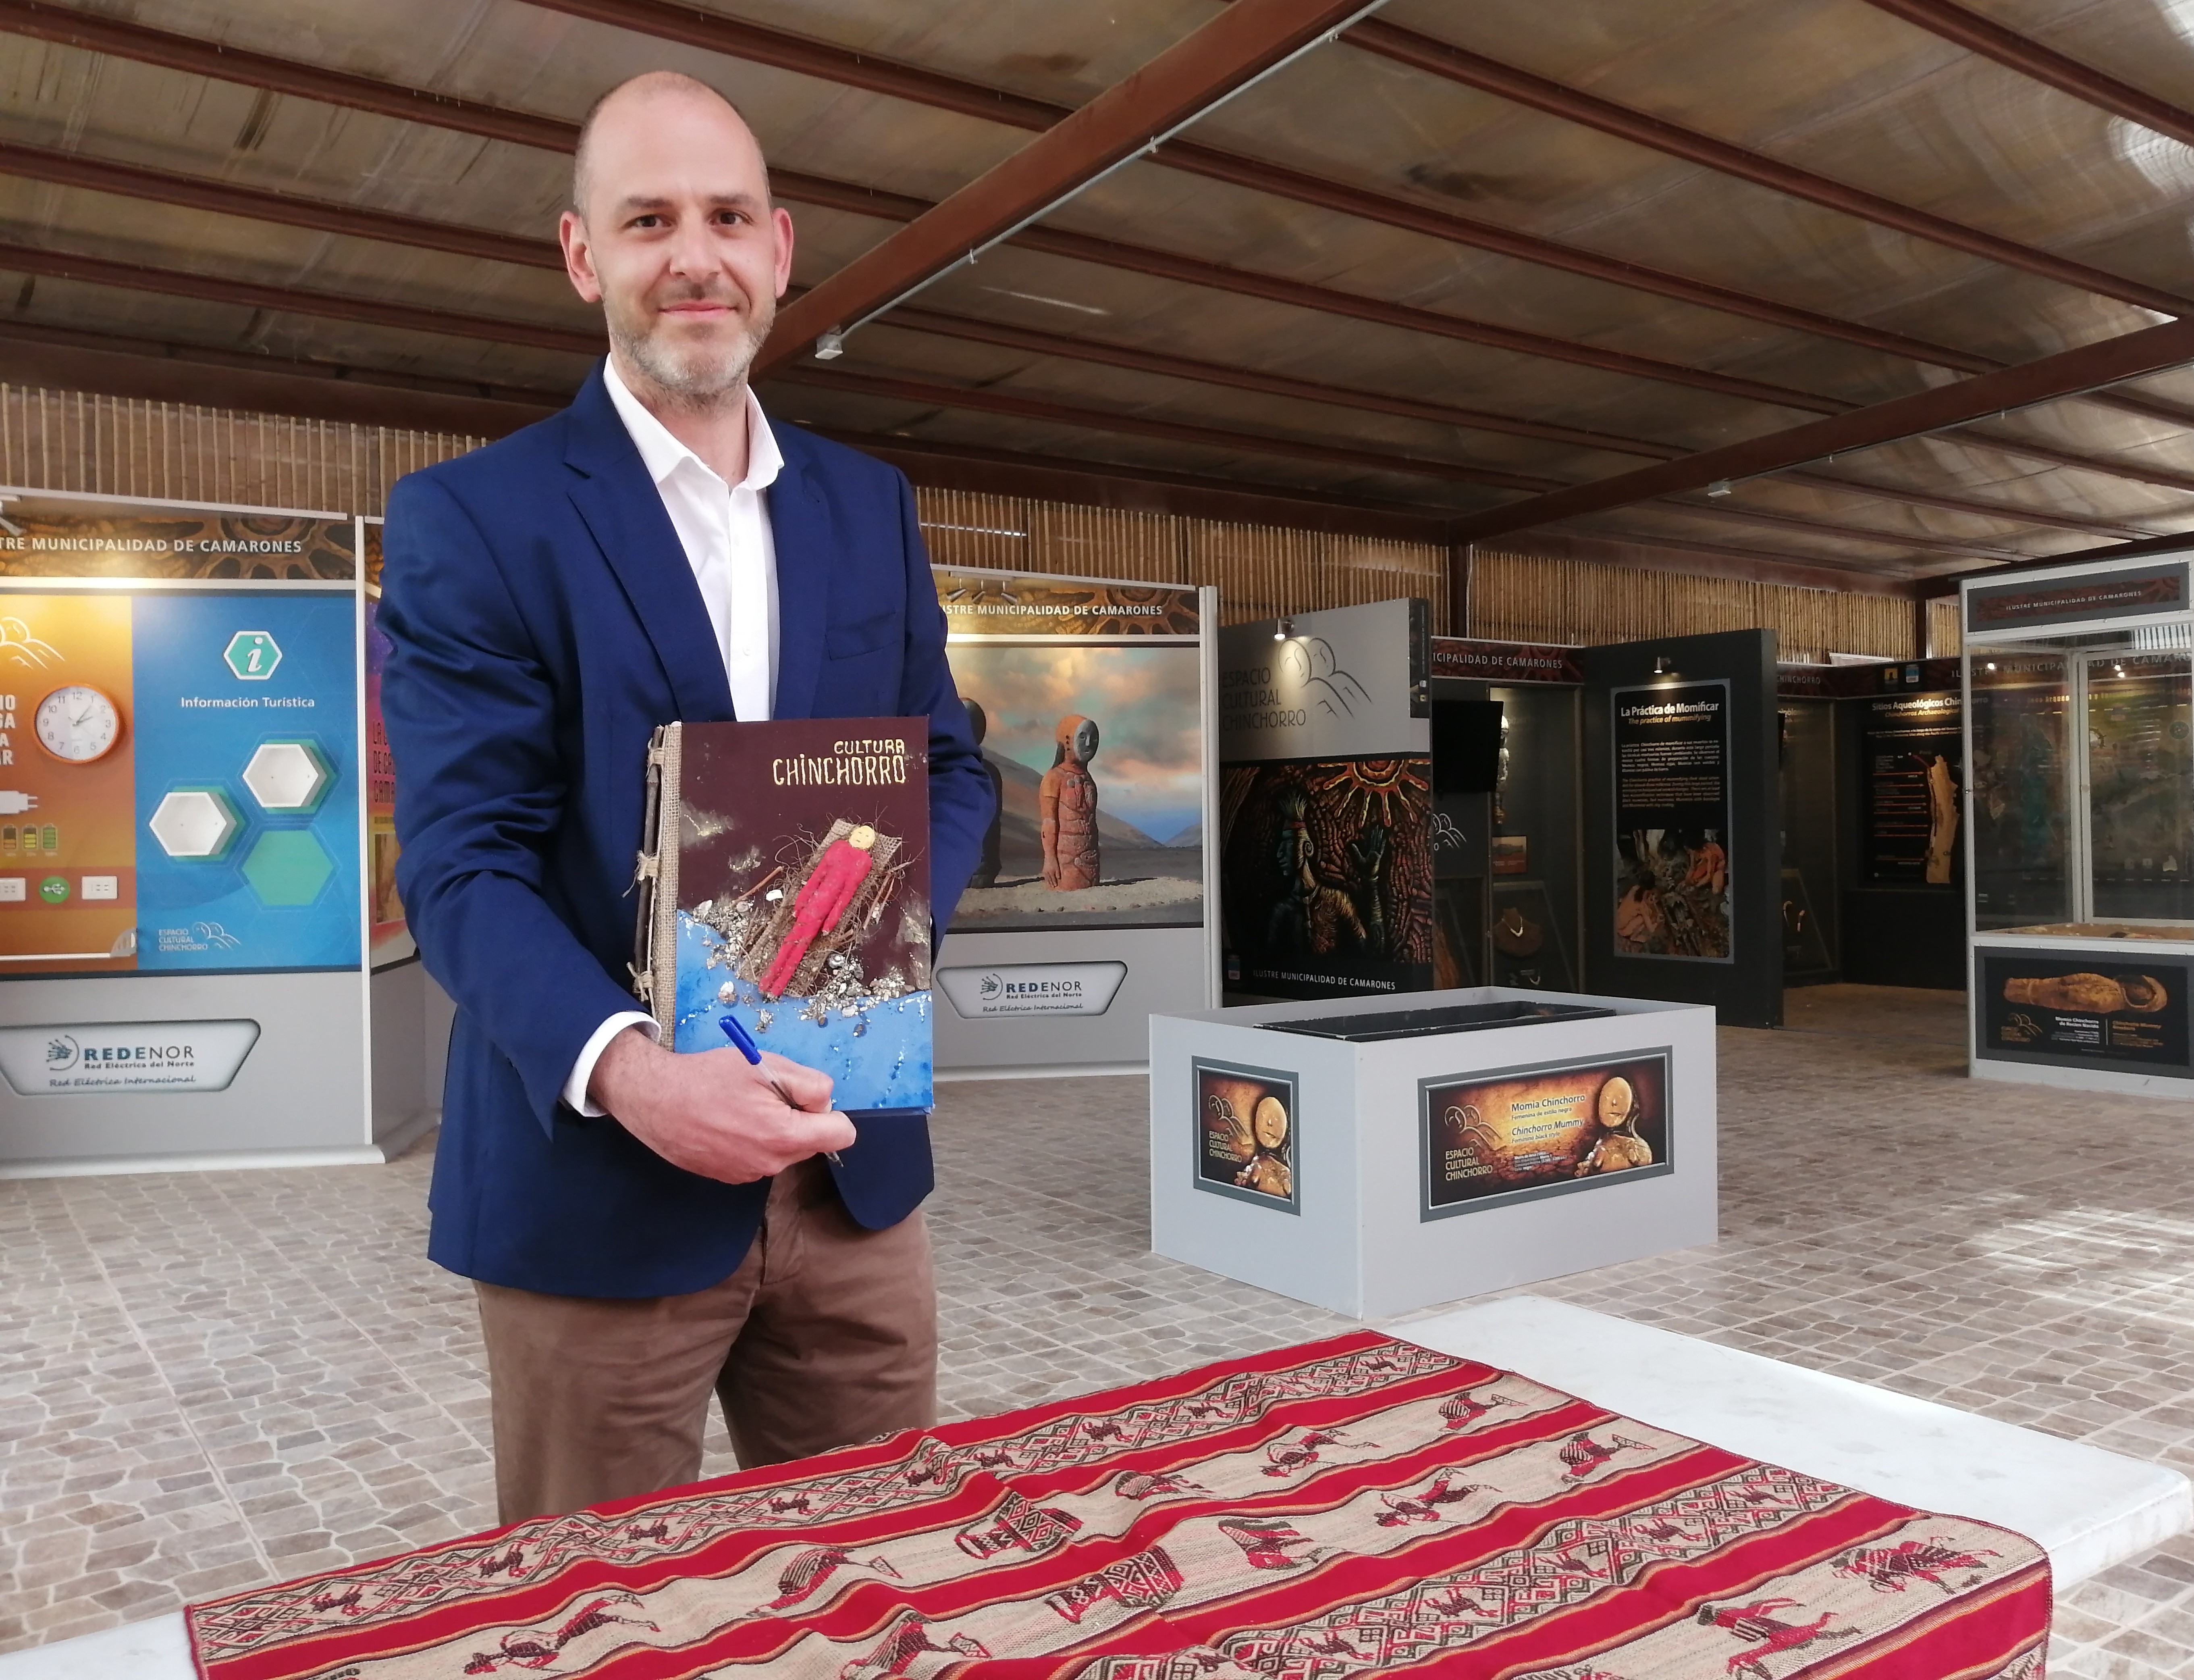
(1086,698)
(1671,866)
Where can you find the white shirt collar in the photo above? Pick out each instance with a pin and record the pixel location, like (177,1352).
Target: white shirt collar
(662,454)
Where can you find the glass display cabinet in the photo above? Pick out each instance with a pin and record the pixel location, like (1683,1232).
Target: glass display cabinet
(2079,819)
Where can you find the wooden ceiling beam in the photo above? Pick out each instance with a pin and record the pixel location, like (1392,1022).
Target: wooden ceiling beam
(259,204)
(225,198)
(2131,356)
(1066,479)
(158,371)
(297,301)
(991,401)
(1212,62)
(1554,98)
(2029,58)
(713,32)
(1043,409)
(716,33)
(67,27)
(1639,552)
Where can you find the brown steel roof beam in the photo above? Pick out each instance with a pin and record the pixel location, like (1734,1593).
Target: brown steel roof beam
(1194,270)
(1137,425)
(1252,503)
(1215,373)
(1959,504)
(1445,225)
(1043,409)
(1213,61)
(1521,87)
(2131,356)
(845,66)
(416,318)
(714,32)
(2029,58)
(1103,354)
(826,61)
(295,300)
(223,198)
(1799,522)
(157,370)
(166,186)
(97,174)
(163,186)
(96,33)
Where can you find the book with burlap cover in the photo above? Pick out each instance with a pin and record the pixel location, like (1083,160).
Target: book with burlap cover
(783,878)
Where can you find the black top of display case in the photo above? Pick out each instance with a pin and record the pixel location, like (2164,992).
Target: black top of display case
(1364,1029)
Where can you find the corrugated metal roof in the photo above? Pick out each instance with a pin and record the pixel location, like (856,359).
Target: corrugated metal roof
(1302,277)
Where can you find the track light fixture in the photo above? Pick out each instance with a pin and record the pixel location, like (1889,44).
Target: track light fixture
(830,346)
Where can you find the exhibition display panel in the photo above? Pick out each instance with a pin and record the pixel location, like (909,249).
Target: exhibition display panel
(1386,1154)
(1090,907)
(1326,800)
(1683,875)
(182,912)
(2079,703)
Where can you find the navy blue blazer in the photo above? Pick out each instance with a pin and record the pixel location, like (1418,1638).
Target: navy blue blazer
(543,621)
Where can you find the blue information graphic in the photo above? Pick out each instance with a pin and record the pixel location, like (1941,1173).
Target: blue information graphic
(247,780)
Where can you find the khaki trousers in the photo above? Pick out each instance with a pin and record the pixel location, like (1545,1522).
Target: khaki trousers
(824,1336)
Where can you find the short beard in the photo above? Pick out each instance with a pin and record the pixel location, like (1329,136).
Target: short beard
(696,377)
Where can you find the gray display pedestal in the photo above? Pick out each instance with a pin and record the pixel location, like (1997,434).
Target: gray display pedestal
(1396,1174)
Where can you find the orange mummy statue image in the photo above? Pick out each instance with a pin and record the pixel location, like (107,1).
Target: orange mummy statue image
(1066,809)
(829,888)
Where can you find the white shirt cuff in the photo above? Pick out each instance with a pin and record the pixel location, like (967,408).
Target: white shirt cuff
(583,1070)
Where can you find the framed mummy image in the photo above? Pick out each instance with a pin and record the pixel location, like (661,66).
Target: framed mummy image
(1244,1134)
(1515,1134)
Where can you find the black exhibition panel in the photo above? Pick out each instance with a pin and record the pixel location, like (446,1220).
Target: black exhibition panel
(1465,751)
(1533,913)
(1900,775)
(1682,858)
(1807,751)
(1505,766)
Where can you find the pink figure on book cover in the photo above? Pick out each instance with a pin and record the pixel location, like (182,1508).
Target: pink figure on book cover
(822,902)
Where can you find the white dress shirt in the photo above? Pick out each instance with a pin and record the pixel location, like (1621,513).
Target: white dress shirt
(725,530)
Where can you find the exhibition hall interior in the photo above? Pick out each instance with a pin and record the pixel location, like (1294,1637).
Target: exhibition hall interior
(1452,744)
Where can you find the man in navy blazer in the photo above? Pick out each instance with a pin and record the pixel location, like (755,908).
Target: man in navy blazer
(643,1227)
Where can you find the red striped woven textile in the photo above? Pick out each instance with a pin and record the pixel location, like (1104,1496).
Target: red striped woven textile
(1357,1506)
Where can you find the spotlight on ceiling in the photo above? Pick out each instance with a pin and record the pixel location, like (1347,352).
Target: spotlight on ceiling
(1719,487)
(1286,629)
(830,346)
(1663,665)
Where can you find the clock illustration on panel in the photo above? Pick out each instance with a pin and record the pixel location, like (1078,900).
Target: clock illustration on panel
(77,724)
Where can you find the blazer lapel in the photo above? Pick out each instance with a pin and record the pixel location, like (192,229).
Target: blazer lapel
(802,532)
(624,513)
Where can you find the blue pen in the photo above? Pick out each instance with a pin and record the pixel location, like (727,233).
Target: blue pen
(735,1030)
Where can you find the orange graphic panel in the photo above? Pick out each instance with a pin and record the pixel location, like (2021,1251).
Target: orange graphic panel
(68,885)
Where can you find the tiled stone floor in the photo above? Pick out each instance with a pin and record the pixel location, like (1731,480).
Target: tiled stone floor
(208,1380)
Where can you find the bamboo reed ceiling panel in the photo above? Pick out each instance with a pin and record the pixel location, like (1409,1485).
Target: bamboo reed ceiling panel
(1946,634)
(1531,598)
(1261,571)
(119,447)
(122,447)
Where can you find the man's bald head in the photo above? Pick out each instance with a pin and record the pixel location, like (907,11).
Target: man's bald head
(672,231)
(631,97)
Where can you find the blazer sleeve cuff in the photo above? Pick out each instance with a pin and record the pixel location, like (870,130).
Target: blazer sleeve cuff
(582,1069)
